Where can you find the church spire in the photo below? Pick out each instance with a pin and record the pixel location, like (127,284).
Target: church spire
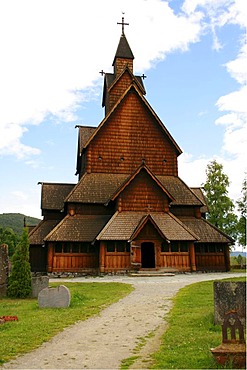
(124,56)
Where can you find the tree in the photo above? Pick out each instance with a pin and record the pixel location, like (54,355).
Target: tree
(242,208)
(7,236)
(20,283)
(221,207)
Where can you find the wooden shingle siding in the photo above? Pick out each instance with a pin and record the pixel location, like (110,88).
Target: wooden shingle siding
(143,194)
(130,137)
(118,89)
(149,232)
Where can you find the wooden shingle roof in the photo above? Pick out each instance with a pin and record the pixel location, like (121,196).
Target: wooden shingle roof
(78,228)
(96,187)
(123,49)
(182,194)
(207,232)
(85,132)
(53,195)
(101,187)
(38,234)
(199,193)
(123,226)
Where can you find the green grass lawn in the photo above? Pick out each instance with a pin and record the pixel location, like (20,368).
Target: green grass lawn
(36,325)
(191,334)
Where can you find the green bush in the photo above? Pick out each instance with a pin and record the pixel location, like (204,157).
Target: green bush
(20,280)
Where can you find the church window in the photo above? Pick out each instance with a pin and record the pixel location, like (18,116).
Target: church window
(110,247)
(117,246)
(58,248)
(165,247)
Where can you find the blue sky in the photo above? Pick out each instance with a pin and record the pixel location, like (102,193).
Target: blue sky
(193,53)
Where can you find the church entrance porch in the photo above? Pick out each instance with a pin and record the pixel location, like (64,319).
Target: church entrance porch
(147,255)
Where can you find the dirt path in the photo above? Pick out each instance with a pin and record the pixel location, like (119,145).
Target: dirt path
(103,341)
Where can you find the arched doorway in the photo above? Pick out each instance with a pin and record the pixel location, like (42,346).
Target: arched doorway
(147,255)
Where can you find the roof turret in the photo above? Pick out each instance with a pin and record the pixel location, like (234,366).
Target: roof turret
(124,55)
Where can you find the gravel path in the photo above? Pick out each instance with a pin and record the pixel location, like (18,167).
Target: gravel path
(103,341)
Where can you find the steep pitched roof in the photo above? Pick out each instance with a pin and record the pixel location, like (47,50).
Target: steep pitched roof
(133,88)
(38,234)
(85,132)
(207,232)
(103,187)
(96,188)
(123,49)
(78,228)
(182,194)
(199,193)
(124,226)
(53,195)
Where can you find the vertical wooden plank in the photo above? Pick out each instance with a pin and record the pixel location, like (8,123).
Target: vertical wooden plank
(102,252)
(50,257)
(192,256)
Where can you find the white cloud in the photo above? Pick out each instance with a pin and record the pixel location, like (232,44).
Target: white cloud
(22,201)
(50,54)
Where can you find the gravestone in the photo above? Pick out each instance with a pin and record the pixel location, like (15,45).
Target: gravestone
(39,283)
(4,269)
(229,296)
(232,350)
(58,297)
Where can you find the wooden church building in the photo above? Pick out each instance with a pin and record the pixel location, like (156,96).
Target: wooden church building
(129,210)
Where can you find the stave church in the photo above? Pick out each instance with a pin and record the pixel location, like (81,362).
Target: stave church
(129,210)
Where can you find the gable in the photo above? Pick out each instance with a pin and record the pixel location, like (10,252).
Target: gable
(131,134)
(143,193)
(128,225)
(121,84)
(114,87)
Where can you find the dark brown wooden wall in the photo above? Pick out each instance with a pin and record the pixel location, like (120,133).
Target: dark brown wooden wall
(143,194)
(149,232)
(119,88)
(129,137)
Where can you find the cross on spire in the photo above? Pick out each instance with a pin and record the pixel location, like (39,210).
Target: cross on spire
(123,24)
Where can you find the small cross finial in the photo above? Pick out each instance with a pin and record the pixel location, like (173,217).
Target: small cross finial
(143,76)
(102,72)
(123,24)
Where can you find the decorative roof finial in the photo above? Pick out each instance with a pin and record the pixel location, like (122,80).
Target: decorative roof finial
(123,24)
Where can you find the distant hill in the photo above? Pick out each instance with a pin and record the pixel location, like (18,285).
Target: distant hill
(16,221)
(236,253)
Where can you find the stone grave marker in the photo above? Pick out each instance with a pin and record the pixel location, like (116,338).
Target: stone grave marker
(39,283)
(229,296)
(58,297)
(4,269)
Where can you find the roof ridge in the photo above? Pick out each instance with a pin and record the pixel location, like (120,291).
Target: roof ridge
(107,225)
